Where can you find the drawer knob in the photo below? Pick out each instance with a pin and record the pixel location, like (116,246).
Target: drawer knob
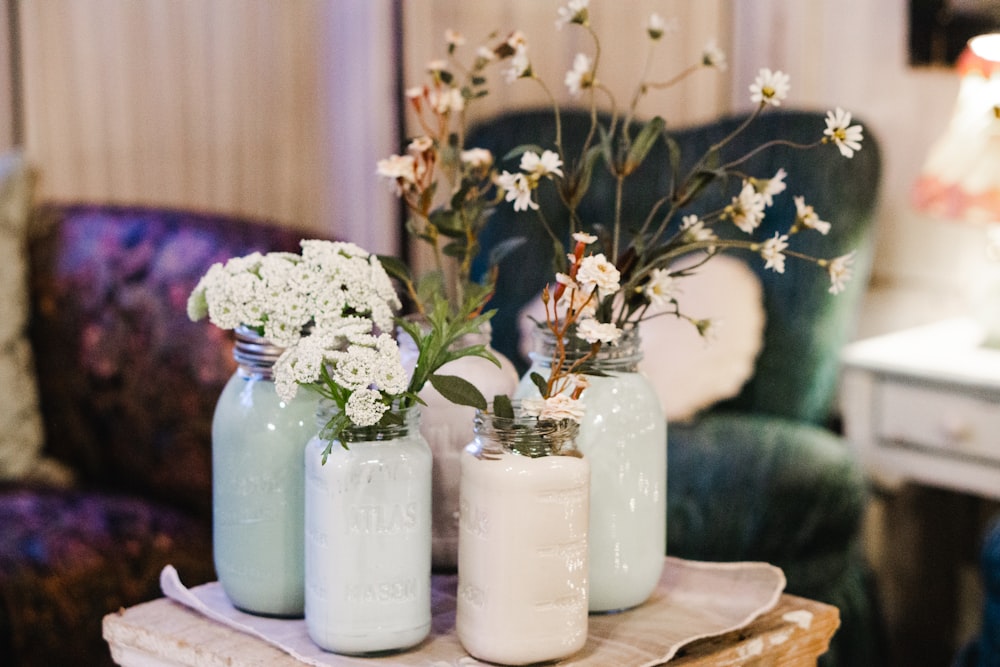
(956,429)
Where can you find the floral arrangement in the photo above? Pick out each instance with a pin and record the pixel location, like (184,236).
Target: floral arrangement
(333,308)
(611,278)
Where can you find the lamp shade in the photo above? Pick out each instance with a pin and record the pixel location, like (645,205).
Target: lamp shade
(961,177)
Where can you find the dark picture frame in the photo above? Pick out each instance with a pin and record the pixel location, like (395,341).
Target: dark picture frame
(939,29)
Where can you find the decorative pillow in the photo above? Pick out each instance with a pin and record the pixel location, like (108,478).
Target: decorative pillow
(691,373)
(21,435)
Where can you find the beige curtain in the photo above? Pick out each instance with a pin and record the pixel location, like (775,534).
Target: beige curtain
(621,27)
(264,108)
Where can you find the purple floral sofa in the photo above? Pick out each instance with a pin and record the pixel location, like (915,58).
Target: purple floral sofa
(126,389)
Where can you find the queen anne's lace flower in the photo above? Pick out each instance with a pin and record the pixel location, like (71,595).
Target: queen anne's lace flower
(365,407)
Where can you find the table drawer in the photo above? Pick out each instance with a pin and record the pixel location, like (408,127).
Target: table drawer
(940,418)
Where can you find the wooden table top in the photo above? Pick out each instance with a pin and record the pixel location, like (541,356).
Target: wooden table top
(162,632)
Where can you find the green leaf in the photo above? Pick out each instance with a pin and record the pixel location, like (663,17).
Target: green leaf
(695,185)
(456,248)
(504,248)
(448,222)
(643,143)
(518,151)
(458,390)
(541,383)
(586,173)
(502,406)
(395,267)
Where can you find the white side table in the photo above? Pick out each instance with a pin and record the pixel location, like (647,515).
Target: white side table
(923,405)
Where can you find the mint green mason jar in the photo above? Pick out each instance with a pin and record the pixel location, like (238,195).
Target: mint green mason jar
(257,484)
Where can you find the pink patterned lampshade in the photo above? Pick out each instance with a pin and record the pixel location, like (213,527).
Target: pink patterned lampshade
(961,178)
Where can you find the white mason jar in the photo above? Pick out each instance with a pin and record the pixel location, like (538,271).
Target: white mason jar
(447,427)
(368,538)
(257,482)
(522,571)
(624,436)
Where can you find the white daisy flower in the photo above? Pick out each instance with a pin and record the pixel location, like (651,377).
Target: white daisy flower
(769,87)
(581,76)
(847,137)
(773,252)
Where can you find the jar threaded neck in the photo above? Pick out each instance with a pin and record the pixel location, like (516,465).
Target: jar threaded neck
(622,356)
(524,435)
(255,354)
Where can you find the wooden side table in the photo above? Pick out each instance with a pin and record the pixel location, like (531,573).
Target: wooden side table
(164,633)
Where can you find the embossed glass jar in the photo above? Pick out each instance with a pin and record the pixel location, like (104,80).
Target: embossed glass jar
(624,436)
(447,427)
(368,537)
(257,482)
(522,549)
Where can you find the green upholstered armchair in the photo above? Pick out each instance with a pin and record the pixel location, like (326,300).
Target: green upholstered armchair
(760,476)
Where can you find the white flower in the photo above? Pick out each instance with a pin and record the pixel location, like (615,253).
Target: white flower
(695,230)
(772,252)
(593,331)
(477,157)
(747,210)
(656,26)
(769,87)
(437,66)
(564,279)
(401,169)
(840,269)
(576,300)
(847,137)
(538,166)
(356,368)
(517,189)
(661,287)
(805,216)
(713,56)
(365,407)
(574,12)
(420,145)
(580,76)
(520,65)
(596,272)
(532,407)
(485,54)
(300,363)
(774,186)
(447,101)
(584,237)
(560,407)
(453,37)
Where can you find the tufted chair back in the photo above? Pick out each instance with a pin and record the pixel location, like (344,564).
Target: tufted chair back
(796,371)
